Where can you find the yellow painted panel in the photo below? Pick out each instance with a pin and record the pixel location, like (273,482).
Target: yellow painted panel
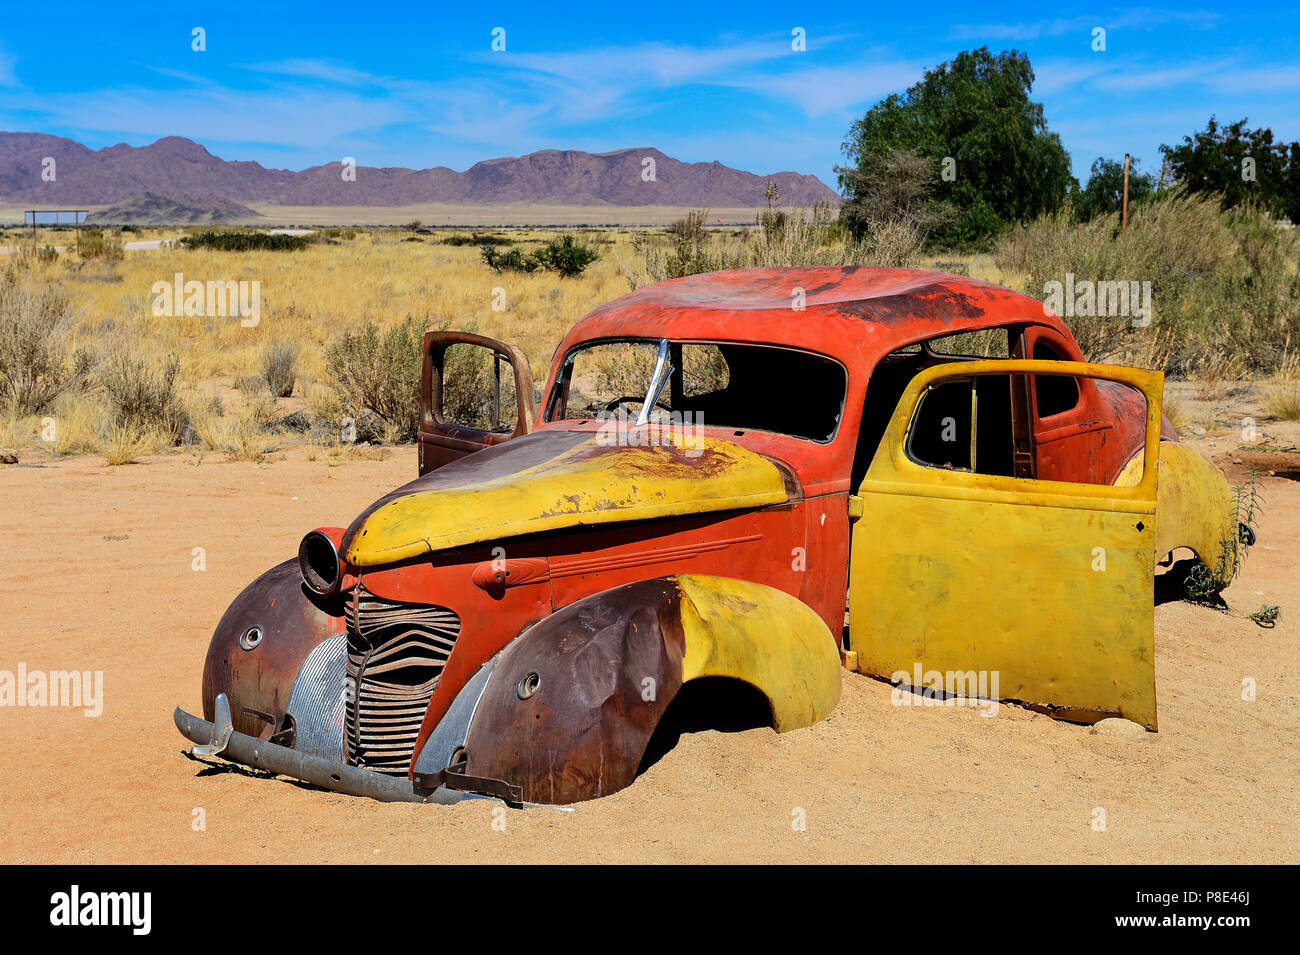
(765,637)
(1057,602)
(1046,587)
(1195,507)
(592,483)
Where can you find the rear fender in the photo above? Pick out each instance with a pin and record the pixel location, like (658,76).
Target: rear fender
(566,710)
(1195,508)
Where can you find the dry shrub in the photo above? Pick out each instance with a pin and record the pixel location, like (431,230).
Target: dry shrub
(1222,283)
(141,393)
(380,372)
(1282,394)
(36,363)
(279,363)
(100,246)
(1176,412)
(125,442)
(781,238)
(1218,377)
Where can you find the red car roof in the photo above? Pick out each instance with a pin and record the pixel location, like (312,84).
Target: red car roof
(855,313)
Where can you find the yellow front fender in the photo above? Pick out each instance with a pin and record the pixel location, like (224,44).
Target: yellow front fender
(765,637)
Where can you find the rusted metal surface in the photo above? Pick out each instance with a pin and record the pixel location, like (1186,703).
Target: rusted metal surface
(595,481)
(582,731)
(292,621)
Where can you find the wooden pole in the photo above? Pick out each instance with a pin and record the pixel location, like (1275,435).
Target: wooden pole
(1123,222)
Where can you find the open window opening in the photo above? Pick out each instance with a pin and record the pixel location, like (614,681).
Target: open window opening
(728,385)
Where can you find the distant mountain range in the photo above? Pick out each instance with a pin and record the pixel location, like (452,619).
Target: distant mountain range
(181,170)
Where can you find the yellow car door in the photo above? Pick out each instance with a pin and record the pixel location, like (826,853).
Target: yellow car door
(961,570)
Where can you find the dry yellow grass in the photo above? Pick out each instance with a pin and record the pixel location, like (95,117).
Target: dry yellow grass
(1282,394)
(124,444)
(1218,376)
(309,298)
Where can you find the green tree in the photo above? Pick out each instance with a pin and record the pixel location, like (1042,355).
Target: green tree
(1240,164)
(1003,165)
(1104,193)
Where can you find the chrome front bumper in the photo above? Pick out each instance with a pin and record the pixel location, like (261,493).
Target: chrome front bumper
(220,738)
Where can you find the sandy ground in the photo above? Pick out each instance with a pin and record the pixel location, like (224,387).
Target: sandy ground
(99,577)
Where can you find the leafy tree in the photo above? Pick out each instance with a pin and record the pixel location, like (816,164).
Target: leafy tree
(975,110)
(1214,160)
(1104,193)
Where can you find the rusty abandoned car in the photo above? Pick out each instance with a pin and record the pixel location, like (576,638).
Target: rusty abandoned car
(717,464)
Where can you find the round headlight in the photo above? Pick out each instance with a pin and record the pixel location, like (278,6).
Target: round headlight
(319,562)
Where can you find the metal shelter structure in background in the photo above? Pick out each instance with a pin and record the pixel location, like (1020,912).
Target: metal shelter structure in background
(78,215)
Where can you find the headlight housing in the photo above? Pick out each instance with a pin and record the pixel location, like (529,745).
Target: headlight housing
(318,559)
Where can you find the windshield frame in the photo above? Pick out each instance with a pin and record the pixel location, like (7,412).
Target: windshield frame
(558,389)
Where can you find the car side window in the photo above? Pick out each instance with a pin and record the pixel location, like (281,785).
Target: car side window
(478,389)
(1053,394)
(965,424)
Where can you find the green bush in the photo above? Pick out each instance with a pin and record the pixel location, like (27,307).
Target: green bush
(476,239)
(512,260)
(246,242)
(565,257)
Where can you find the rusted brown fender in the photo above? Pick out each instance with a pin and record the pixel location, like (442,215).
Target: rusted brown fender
(259,646)
(567,709)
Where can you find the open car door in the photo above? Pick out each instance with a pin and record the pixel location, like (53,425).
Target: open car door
(475,392)
(960,568)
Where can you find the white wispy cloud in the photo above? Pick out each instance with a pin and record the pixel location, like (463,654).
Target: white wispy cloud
(323,70)
(1139,18)
(7,75)
(308,119)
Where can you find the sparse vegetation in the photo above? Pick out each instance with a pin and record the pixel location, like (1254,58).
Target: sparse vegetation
(379,371)
(565,256)
(37,364)
(278,368)
(100,245)
(246,242)
(124,443)
(1282,394)
(142,395)
(787,237)
(1222,283)
(477,240)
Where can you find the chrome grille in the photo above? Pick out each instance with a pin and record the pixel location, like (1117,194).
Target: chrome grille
(396,652)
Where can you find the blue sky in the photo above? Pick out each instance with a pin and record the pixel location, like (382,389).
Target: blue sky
(392,83)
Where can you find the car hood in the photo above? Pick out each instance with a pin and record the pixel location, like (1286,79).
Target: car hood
(550,480)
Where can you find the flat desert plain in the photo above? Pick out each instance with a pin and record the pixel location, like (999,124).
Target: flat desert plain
(453,214)
(98,576)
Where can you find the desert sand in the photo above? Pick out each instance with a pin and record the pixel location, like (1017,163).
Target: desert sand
(98,576)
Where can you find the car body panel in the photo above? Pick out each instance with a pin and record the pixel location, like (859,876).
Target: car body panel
(587,481)
(1195,509)
(1046,584)
(570,706)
